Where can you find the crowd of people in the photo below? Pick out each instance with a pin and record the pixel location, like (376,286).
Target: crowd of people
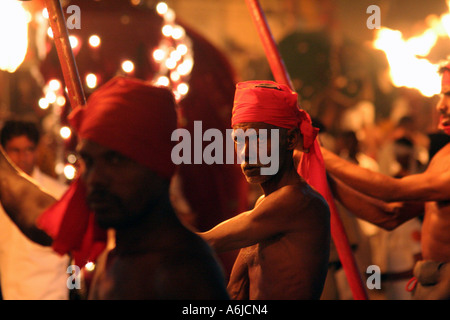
(286,251)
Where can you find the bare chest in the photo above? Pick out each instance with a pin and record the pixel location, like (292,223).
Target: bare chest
(279,249)
(436,231)
(123,279)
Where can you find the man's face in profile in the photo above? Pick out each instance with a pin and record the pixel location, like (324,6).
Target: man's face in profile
(119,190)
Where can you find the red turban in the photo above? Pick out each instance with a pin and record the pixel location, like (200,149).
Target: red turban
(132,118)
(277,104)
(128,116)
(272,103)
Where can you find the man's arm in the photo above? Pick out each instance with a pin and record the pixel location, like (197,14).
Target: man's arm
(432,185)
(385,215)
(274,215)
(23,200)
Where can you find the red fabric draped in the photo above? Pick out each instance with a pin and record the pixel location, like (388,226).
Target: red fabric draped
(71,225)
(128,116)
(272,103)
(133,118)
(276,104)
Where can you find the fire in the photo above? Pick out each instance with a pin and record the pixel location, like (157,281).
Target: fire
(407,58)
(14,21)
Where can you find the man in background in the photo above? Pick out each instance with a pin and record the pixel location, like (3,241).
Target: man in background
(125,146)
(29,271)
(284,240)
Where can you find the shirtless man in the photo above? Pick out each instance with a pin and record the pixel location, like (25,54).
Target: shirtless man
(285,238)
(125,146)
(388,202)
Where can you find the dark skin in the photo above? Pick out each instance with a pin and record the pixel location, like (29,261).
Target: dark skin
(155,255)
(284,240)
(388,202)
(154,252)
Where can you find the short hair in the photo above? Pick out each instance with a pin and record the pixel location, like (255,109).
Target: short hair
(17,128)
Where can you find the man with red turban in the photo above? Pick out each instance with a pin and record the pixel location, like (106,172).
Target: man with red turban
(284,240)
(125,145)
(388,202)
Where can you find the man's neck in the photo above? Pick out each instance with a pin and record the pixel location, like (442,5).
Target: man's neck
(285,176)
(151,232)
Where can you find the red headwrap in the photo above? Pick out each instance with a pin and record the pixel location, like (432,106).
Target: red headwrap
(132,118)
(277,104)
(272,103)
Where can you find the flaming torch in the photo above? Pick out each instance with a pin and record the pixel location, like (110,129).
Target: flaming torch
(408,57)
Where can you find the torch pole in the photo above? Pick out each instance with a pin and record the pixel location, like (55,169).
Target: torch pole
(65,54)
(281,75)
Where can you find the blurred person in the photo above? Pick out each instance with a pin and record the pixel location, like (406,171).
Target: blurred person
(359,232)
(399,249)
(284,240)
(29,271)
(388,202)
(388,157)
(125,148)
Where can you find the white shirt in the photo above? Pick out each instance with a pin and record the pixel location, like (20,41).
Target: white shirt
(29,271)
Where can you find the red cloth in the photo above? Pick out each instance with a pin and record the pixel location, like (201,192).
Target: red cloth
(128,116)
(71,225)
(133,118)
(272,103)
(279,107)
(277,104)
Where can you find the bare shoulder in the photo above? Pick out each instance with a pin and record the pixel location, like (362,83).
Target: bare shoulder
(441,159)
(298,202)
(303,195)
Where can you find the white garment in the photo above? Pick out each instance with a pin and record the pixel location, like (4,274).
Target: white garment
(29,271)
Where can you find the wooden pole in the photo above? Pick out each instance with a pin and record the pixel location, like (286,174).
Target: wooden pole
(65,54)
(281,75)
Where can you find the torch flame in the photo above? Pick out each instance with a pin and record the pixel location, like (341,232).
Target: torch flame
(14,21)
(407,58)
